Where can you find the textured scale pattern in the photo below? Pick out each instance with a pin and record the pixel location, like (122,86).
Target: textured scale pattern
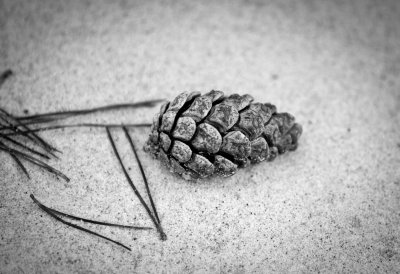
(197,136)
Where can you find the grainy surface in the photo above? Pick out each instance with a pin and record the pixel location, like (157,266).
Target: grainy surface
(331,206)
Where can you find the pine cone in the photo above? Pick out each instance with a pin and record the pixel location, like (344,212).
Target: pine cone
(197,136)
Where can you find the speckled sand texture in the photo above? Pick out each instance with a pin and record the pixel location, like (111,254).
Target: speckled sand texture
(331,206)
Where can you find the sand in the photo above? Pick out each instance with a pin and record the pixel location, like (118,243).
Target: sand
(333,205)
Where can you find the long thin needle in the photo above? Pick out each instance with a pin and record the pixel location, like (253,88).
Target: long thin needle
(142,172)
(52,214)
(98,222)
(15,124)
(16,159)
(51,116)
(163,236)
(34,161)
(73,126)
(5,137)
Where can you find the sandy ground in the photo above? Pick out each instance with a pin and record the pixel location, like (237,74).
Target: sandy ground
(331,206)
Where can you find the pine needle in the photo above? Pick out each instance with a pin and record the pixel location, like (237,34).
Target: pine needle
(76,126)
(51,212)
(156,223)
(52,116)
(34,161)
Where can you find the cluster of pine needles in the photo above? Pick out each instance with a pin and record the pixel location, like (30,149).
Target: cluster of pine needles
(19,138)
